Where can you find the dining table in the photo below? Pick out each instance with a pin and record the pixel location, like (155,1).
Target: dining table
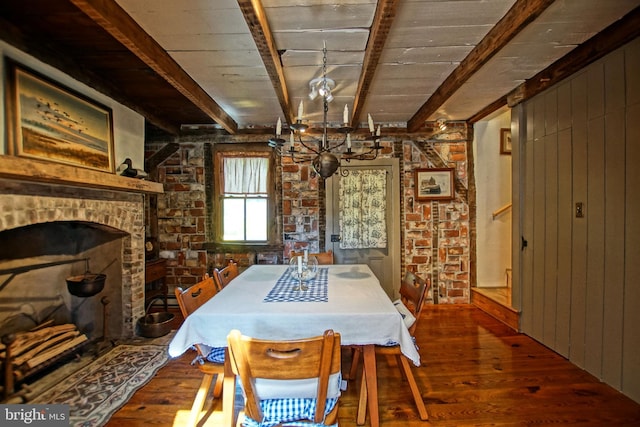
(265,302)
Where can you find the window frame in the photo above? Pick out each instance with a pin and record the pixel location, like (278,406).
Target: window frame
(221,151)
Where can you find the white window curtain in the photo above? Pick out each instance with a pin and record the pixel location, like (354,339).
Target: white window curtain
(363,203)
(245,175)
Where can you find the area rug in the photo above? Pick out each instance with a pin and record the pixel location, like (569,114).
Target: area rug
(98,390)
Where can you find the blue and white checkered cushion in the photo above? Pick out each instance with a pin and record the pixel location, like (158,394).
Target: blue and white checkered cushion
(287,411)
(212,354)
(296,402)
(216,355)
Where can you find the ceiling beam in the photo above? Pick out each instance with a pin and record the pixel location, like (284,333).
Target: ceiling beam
(515,20)
(59,58)
(385,15)
(614,36)
(113,19)
(255,16)
(485,111)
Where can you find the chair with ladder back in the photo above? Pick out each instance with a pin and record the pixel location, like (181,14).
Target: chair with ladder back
(209,361)
(288,381)
(413,291)
(225,275)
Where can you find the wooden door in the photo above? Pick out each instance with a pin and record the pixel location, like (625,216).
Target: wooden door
(385,263)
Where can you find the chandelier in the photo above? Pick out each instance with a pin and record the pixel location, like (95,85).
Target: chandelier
(325,156)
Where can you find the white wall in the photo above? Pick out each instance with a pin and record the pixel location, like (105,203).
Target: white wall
(493,189)
(128,126)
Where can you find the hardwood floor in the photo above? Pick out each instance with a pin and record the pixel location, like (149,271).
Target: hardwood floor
(475,371)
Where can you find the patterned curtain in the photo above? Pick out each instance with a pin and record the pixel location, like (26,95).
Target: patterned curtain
(363,203)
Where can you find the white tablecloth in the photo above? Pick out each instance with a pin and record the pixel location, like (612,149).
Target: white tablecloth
(357,308)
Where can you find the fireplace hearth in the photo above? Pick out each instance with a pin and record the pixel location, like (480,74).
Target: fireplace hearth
(52,232)
(51,228)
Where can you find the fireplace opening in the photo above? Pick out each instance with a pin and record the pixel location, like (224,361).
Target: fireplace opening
(36,263)
(33,277)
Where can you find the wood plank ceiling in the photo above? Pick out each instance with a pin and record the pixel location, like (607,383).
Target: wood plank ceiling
(238,65)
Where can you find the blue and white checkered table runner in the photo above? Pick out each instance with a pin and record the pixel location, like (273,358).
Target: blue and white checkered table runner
(283,289)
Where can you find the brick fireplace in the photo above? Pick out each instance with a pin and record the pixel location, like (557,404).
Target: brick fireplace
(50,232)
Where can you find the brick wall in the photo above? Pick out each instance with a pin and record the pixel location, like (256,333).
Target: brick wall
(301,207)
(182,217)
(435,235)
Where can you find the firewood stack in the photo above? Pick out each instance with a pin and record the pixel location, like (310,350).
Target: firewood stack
(25,353)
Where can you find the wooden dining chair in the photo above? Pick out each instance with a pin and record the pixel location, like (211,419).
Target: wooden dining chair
(413,291)
(189,300)
(266,368)
(224,275)
(325,258)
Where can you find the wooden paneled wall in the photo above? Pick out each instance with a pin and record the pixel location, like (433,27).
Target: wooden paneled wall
(580,276)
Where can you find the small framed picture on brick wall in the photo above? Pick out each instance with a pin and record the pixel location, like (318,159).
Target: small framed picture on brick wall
(434,184)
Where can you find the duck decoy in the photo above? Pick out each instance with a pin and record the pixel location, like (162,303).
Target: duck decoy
(127,169)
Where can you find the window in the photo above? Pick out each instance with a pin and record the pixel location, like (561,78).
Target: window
(244,198)
(245,202)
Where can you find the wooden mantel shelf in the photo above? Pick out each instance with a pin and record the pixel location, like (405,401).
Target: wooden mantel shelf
(24,169)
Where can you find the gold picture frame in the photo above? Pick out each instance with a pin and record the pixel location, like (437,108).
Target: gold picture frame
(50,122)
(505,141)
(434,184)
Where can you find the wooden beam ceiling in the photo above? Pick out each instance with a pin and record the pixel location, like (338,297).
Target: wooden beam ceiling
(382,22)
(113,19)
(255,17)
(515,20)
(254,14)
(611,38)
(52,53)
(97,43)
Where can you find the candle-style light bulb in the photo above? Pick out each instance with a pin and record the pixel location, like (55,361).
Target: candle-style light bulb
(279,127)
(300,111)
(345,115)
(349,141)
(378,131)
(370,120)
